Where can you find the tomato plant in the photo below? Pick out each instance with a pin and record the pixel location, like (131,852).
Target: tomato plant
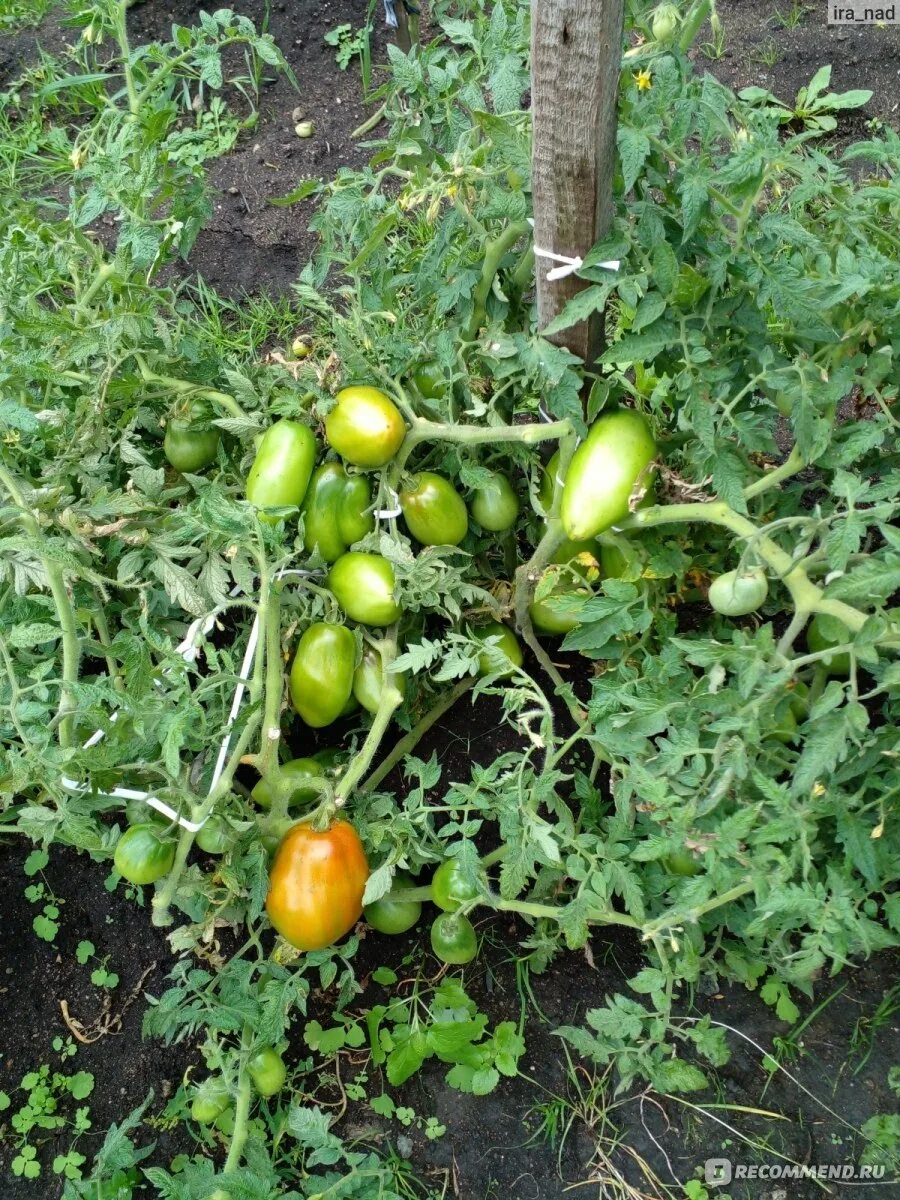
(316,884)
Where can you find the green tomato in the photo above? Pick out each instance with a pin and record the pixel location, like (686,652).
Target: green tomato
(138,812)
(188,448)
(798,693)
(272,833)
(690,288)
(546,615)
(389,915)
(369,681)
(666,19)
(606,468)
(216,836)
(824,632)
(210,1100)
(141,856)
(267,1070)
(503,640)
(335,511)
(322,673)
(681,862)
(737,593)
(365,426)
(299,771)
(450,889)
(430,381)
(613,562)
(434,511)
(550,481)
(363,585)
(281,470)
(453,939)
(495,505)
(785,730)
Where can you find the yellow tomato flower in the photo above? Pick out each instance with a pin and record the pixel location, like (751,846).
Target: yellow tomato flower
(643,79)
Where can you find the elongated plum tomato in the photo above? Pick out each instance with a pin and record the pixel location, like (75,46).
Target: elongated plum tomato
(322,673)
(335,511)
(824,632)
(613,458)
(281,470)
(267,1070)
(453,939)
(434,511)
(141,856)
(737,593)
(369,681)
(316,885)
(297,772)
(504,641)
(449,887)
(363,585)
(188,448)
(391,915)
(495,504)
(365,426)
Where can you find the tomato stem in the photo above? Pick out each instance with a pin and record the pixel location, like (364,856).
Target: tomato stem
(494,254)
(791,465)
(389,701)
(804,593)
(411,739)
(241,1123)
(184,387)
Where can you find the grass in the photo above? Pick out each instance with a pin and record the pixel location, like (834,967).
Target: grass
(792,17)
(766,53)
(23,14)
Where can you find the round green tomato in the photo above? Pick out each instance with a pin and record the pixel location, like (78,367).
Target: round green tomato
(369,681)
(824,632)
(189,449)
(298,771)
(335,511)
(216,836)
(434,511)
(210,1100)
(551,618)
(322,673)
(365,426)
(453,939)
(681,862)
(449,889)
(141,856)
(607,470)
(267,1070)
(283,465)
(505,641)
(430,381)
(495,505)
(389,915)
(737,593)
(363,585)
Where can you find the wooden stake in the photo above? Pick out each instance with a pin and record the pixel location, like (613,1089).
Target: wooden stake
(576,53)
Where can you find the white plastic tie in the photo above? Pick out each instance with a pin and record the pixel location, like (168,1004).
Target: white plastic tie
(387,514)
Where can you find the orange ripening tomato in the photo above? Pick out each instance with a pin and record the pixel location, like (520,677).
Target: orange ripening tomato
(316,885)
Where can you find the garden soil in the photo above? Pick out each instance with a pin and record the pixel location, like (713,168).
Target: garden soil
(551,1132)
